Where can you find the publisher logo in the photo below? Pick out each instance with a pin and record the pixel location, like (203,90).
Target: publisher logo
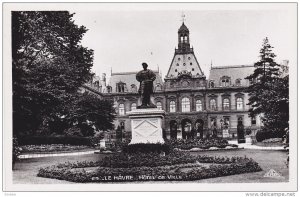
(273,174)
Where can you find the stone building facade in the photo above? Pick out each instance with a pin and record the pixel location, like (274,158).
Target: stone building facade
(195,106)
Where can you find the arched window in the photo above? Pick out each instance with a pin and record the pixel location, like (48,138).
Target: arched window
(239,103)
(212,84)
(158,105)
(133,106)
(213,104)
(185,39)
(121,109)
(225,104)
(185,105)
(198,105)
(172,106)
(238,82)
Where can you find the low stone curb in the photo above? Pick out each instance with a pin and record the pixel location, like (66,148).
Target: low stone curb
(26,156)
(253,147)
(217,149)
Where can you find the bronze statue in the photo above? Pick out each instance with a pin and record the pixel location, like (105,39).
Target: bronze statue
(146,78)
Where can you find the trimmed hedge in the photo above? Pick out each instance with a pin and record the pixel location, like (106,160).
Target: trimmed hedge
(122,160)
(71,140)
(147,148)
(180,172)
(51,148)
(187,144)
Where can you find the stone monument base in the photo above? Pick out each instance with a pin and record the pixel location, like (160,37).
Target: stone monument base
(146,125)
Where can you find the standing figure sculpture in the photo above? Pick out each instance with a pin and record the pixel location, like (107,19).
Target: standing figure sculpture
(146,78)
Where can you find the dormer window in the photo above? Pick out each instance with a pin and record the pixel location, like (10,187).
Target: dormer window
(158,87)
(179,59)
(133,88)
(108,89)
(121,87)
(189,58)
(225,81)
(238,82)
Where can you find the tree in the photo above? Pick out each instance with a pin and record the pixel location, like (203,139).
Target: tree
(90,113)
(269,92)
(48,64)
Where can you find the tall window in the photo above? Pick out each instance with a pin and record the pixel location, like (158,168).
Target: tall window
(185,105)
(225,104)
(133,106)
(239,103)
(212,84)
(238,82)
(172,106)
(158,105)
(198,105)
(213,104)
(121,109)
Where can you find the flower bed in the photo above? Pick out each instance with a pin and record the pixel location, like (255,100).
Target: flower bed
(199,143)
(175,166)
(51,148)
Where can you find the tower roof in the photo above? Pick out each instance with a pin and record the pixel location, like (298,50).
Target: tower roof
(183,28)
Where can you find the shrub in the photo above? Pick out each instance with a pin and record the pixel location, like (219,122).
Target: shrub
(71,140)
(146,148)
(139,159)
(262,135)
(16,151)
(73,131)
(187,144)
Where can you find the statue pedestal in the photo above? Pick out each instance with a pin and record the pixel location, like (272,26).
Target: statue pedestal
(146,125)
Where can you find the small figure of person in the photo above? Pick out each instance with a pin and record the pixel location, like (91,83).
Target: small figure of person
(146,78)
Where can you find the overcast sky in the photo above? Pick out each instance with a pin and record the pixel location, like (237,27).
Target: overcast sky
(124,36)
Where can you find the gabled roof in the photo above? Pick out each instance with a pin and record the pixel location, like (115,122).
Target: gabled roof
(234,72)
(129,78)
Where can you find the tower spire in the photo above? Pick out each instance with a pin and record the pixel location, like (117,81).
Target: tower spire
(183,17)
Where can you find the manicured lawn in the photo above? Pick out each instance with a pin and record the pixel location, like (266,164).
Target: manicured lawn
(266,159)
(27,169)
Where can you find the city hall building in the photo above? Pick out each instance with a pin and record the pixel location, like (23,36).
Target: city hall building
(195,106)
